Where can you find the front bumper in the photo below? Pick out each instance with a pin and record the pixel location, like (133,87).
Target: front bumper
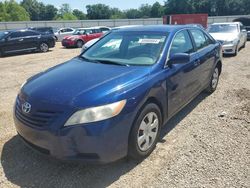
(229,48)
(68,43)
(99,142)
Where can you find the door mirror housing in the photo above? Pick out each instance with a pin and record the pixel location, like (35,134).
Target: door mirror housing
(179,58)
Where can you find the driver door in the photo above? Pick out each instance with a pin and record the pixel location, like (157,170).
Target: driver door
(182,79)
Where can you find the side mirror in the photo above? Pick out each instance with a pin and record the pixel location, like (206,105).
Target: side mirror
(244,30)
(179,58)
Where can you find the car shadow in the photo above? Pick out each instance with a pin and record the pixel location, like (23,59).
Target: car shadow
(23,53)
(26,168)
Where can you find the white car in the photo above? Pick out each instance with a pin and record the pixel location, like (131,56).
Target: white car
(232,36)
(61,33)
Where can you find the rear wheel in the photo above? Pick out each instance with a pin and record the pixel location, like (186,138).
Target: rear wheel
(79,44)
(214,81)
(145,132)
(244,45)
(44,47)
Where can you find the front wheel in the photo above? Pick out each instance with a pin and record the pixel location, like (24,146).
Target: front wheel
(145,132)
(236,50)
(79,44)
(44,47)
(214,81)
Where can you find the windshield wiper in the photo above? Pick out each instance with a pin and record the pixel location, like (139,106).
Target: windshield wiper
(111,62)
(87,59)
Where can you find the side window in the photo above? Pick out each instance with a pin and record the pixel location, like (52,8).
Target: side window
(68,30)
(15,35)
(181,43)
(29,33)
(199,38)
(208,40)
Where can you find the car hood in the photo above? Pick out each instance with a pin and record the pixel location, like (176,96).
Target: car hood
(80,83)
(224,36)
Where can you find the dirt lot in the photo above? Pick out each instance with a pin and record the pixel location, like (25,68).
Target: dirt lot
(206,145)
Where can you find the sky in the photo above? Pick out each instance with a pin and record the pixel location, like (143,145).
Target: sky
(81,4)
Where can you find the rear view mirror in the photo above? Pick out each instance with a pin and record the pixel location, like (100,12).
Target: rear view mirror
(179,58)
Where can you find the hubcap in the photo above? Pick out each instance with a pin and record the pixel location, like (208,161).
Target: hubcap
(215,78)
(79,44)
(147,131)
(44,47)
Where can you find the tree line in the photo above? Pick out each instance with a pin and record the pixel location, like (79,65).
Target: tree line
(35,10)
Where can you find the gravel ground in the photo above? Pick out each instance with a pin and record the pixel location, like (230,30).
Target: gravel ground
(207,144)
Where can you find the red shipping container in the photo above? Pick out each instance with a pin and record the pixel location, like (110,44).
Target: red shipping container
(186,19)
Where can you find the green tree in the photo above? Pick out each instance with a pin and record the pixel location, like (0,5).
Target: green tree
(98,11)
(117,14)
(157,10)
(145,10)
(12,11)
(133,13)
(65,8)
(32,7)
(79,14)
(50,12)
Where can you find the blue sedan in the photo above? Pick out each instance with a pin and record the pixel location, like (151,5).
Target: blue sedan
(112,100)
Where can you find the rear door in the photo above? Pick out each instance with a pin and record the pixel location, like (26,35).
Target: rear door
(206,55)
(183,82)
(30,40)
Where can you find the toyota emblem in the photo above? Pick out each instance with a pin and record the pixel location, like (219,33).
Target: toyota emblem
(26,107)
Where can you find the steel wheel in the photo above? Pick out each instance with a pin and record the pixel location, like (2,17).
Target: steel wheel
(44,47)
(147,132)
(215,78)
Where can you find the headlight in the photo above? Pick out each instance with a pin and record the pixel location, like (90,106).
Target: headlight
(231,42)
(96,113)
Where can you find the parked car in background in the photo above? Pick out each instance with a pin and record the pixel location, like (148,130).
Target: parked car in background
(81,36)
(25,40)
(103,29)
(44,30)
(246,22)
(61,33)
(112,100)
(232,36)
(93,41)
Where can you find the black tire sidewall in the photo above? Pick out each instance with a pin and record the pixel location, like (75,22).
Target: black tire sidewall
(133,148)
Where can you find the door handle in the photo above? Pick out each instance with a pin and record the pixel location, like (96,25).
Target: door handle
(20,40)
(197,62)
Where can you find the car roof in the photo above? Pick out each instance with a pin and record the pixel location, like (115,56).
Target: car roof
(159,28)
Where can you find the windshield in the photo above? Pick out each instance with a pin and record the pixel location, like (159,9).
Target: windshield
(2,34)
(128,48)
(223,28)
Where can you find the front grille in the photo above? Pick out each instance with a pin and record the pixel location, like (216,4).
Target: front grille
(37,118)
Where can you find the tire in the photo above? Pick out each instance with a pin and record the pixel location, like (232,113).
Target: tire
(143,138)
(79,44)
(44,47)
(213,81)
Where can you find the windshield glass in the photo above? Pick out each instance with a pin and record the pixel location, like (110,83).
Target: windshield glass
(223,28)
(128,48)
(2,34)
